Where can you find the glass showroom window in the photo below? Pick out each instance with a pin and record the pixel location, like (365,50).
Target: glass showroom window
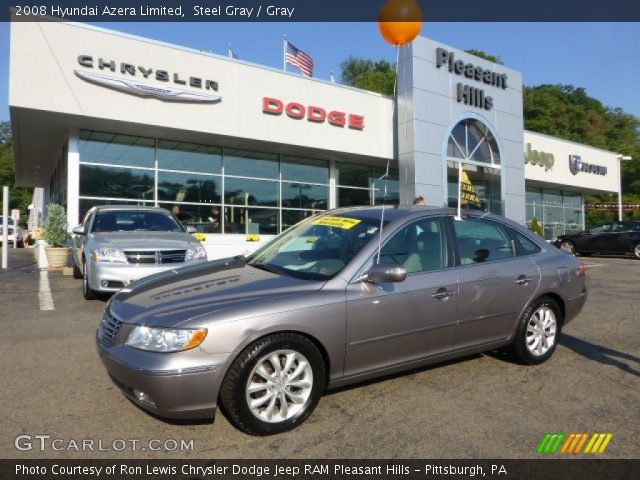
(362,185)
(558,212)
(220,190)
(473,167)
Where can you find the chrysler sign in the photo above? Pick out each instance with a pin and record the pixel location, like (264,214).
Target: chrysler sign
(127,81)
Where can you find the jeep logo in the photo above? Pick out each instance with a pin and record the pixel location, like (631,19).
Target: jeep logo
(535,157)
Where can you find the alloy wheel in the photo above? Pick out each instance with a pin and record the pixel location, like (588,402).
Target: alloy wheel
(541,331)
(279,386)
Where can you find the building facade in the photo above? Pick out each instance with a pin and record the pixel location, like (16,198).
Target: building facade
(101,117)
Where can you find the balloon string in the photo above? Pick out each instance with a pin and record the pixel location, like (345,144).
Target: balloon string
(386,173)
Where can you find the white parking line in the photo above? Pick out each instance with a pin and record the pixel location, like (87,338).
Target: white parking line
(591,265)
(44,292)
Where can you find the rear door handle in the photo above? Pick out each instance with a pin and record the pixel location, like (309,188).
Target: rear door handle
(443,294)
(523,280)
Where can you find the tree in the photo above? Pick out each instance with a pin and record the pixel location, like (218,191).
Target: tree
(19,197)
(369,75)
(486,56)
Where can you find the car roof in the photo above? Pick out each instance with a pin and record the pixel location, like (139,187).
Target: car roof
(395,212)
(109,208)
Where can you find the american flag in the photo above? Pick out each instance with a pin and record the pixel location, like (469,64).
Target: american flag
(299,59)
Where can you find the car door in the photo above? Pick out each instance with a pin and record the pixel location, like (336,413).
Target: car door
(394,323)
(494,283)
(80,241)
(617,240)
(595,240)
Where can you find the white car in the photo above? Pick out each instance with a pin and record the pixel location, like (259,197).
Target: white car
(15,233)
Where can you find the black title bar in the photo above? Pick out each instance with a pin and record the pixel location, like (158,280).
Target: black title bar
(320,10)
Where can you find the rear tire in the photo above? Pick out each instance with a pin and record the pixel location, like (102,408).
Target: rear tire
(538,332)
(86,288)
(568,246)
(273,385)
(636,251)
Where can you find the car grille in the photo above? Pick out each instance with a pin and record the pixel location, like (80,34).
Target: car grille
(109,327)
(155,257)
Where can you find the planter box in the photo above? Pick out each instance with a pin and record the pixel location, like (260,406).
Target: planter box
(58,257)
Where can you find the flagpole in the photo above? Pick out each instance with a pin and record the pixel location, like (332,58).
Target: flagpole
(229,51)
(284,52)
(459,190)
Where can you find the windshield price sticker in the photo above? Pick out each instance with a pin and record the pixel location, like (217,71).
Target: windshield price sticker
(338,222)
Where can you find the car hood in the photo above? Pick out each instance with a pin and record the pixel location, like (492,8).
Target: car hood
(144,240)
(218,287)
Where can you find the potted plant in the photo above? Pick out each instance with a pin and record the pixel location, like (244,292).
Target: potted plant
(56,236)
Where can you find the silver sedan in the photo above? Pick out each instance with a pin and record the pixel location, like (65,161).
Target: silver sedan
(117,245)
(340,298)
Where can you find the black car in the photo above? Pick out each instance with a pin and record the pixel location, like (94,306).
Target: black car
(609,238)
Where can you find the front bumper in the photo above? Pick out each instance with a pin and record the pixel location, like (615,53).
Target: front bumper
(118,276)
(189,393)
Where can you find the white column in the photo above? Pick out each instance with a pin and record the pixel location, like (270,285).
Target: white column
(333,191)
(73,178)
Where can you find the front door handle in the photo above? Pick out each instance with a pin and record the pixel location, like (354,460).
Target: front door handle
(443,294)
(523,280)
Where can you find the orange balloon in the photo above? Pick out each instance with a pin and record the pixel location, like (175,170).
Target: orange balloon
(400,21)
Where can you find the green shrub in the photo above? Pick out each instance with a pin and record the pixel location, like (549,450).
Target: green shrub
(55,226)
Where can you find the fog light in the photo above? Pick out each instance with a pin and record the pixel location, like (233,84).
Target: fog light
(104,283)
(143,397)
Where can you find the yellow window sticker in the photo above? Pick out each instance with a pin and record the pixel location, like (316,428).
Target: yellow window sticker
(338,222)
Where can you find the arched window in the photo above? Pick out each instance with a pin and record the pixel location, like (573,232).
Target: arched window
(471,141)
(473,167)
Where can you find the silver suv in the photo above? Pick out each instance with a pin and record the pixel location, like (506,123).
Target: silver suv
(116,245)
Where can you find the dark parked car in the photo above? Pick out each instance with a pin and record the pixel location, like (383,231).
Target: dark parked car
(610,238)
(333,301)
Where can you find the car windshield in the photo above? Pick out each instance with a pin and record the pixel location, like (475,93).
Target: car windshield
(316,249)
(135,221)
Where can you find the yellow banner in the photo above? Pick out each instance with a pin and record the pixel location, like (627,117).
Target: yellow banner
(468,194)
(338,222)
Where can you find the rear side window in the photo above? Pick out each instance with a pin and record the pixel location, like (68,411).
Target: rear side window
(527,246)
(481,241)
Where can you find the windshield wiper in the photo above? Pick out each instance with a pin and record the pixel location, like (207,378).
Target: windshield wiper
(270,268)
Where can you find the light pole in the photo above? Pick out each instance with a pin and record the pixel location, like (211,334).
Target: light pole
(620,159)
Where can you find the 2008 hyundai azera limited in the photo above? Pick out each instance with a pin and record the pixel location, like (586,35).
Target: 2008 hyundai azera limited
(332,301)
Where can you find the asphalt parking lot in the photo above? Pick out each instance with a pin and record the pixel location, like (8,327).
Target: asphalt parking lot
(482,406)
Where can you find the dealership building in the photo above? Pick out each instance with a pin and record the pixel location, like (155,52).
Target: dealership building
(100,117)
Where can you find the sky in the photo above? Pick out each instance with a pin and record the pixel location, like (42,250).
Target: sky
(604,58)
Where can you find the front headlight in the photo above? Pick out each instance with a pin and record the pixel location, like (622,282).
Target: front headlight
(165,339)
(109,255)
(195,253)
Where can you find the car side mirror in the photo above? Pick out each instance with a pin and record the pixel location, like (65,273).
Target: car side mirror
(191,229)
(79,230)
(386,273)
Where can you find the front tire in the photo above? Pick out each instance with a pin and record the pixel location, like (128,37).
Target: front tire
(636,251)
(273,385)
(538,332)
(86,288)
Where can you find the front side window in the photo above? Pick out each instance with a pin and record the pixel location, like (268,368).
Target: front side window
(601,229)
(482,241)
(419,247)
